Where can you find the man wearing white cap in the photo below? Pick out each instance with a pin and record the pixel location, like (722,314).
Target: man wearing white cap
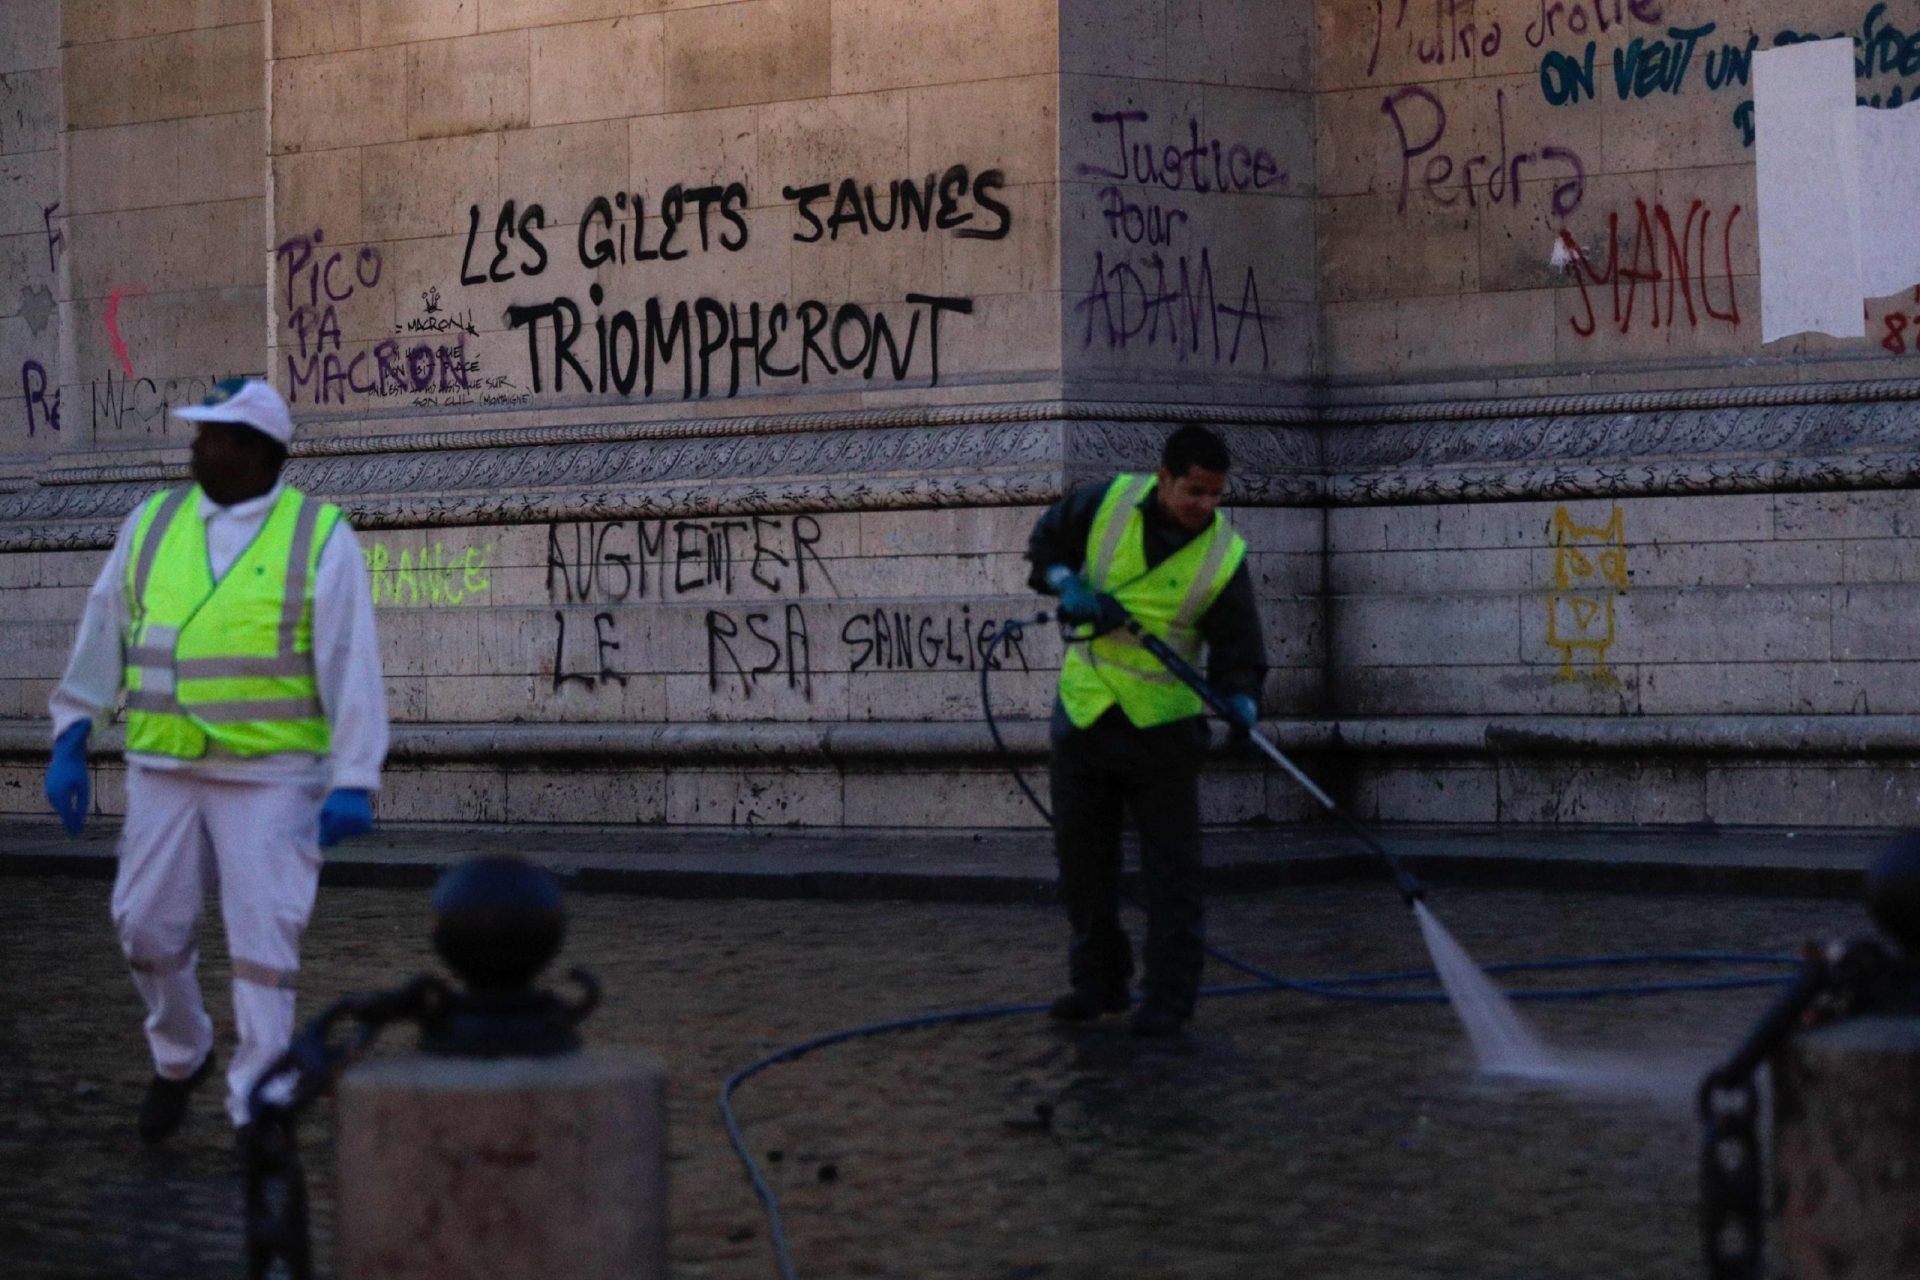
(235,613)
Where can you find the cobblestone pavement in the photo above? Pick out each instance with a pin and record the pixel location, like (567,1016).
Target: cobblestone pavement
(1293,1138)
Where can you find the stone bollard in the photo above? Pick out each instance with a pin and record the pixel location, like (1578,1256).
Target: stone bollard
(1847,1111)
(502,1151)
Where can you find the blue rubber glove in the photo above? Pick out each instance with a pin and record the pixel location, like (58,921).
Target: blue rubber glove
(348,811)
(1246,714)
(1081,605)
(68,789)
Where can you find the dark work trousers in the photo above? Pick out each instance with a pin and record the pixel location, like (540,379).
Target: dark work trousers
(1100,774)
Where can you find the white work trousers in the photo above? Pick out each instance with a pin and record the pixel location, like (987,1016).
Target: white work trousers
(259,841)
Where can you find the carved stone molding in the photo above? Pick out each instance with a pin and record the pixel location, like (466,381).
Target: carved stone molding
(1837,436)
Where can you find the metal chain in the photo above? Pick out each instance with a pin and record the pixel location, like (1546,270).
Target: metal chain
(276,1184)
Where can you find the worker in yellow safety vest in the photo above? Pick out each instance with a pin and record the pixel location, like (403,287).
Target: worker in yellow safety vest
(234,612)
(1128,735)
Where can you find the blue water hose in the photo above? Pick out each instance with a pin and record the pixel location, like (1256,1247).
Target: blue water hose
(1354,987)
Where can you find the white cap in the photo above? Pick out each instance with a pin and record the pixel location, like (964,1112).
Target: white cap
(251,402)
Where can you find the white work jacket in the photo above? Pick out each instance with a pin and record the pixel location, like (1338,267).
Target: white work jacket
(346,657)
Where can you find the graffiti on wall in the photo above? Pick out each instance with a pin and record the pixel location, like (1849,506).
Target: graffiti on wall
(1589,574)
(1668,273)
(1153,281)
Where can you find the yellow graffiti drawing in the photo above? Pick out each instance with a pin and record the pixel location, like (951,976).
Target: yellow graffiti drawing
(430,575)
(1589,573)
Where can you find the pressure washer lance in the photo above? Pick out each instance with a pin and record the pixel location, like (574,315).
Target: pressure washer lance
(1411,890)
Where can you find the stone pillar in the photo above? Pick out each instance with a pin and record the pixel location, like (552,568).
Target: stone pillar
(503,1169)
(1847,1134)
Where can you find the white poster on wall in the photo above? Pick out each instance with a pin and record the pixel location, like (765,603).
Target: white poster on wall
(1839,184)
(1807,169)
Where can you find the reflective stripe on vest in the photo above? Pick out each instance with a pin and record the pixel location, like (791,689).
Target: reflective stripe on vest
(1167,600)
(226,666)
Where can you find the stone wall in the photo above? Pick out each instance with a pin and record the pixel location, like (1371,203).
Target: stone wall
(614,323)
(1461,145)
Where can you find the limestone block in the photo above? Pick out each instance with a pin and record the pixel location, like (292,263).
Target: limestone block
(880,45)
(384,22)
(46,604)
(599,70)
(962,577)
(1232,796)
(21,789)
(1284,801)
(1292,627)
(31,34)
(756,272)
(824,140)
(28,184)
(743,692)
(32,116)
(473,84)
(1445,630)
(945,694)
(441,793)
(347,99)
(1721,191)
(1782,563)
(875,267)
(1778,623)
(165,162)
(1737,518)
(1845,515)
(178,247)
(1026,260)
(497,15)
(318,190)
(162,77)
(1871,794)
(786,797)
(1875,622)
(1671,131)
(1514,569)
(1099,148)
(1114,38)
(189,334)
(1012,125)
(406,700)
(426,188)
(1490,689)
(1440,249)
(960,531)
(965,798)
(562,169)
(754,51)
(1533,791)
(304,27)
(1250,42)
(1880,560)
(1006,334)
(10,701)
(1517,239)
(697,149)
(623,796)
(1425,794)
(1773,688)
(613,693)
(1483,331)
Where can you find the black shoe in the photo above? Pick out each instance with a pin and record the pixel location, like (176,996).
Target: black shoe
(165,1105)
(1084,1004)
(1155,1022)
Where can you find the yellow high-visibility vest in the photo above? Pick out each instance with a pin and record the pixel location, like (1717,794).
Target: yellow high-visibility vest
(1167,600)
(227,664)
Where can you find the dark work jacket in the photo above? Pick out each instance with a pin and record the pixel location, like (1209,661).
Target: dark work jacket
(1236,655)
